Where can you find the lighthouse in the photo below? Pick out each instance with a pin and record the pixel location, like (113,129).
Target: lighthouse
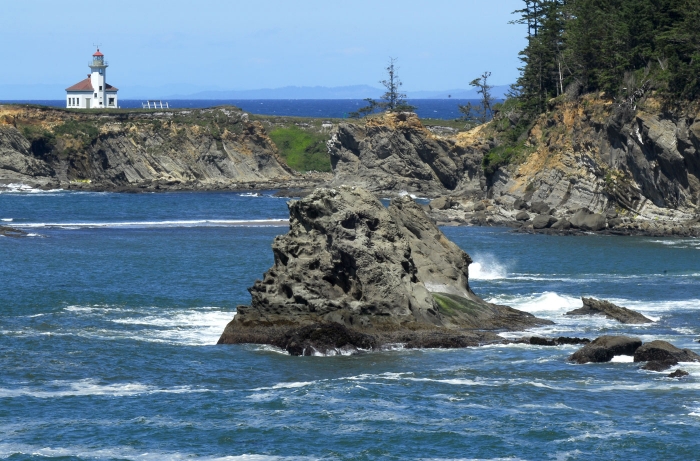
(94,92)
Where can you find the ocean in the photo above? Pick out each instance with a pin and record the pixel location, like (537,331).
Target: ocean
(445,109)
(110,311)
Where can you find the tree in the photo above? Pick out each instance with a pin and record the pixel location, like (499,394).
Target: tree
(392,99)
(484,111)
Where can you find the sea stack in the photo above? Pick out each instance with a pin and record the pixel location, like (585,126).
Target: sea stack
(352,274)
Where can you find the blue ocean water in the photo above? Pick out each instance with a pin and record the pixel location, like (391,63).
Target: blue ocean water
(445,109)
(110,311)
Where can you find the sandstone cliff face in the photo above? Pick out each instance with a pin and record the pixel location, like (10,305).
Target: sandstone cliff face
(394,152)
(207,148)
(600,155)
(387,274)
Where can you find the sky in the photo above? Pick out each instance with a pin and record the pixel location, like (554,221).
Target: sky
(241,45)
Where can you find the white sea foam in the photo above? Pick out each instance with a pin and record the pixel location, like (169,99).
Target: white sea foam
(486,267)
(289,385)
(91,387)
(6,219)
(540,302)
(404,193)
(250,194)
(167,223)
(8,450)
(24,188)
(193,327)
(623,359)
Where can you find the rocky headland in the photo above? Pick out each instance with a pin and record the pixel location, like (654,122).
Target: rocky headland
(134,150)
(352,274)
(586,165)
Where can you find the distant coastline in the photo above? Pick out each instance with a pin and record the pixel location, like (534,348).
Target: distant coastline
(445,109)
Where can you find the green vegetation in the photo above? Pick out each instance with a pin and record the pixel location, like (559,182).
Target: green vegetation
(452,305)
(504,155)
(621,47)
(303,150)
(42,141)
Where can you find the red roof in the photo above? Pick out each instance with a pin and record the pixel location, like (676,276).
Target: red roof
(86,85)
(97,53)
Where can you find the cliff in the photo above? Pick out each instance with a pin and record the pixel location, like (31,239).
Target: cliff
(353,274)
(176,149)
(586,164)
(395,152)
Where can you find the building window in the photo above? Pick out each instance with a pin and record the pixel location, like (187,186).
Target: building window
(100,87)
(95,94)
(111,101)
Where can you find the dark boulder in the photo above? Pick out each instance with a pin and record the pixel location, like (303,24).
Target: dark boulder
(604,348)
(662,351)
(539,341)
(543,221)
(586,220)
(678,374)
(659,365)
(520,204)
(562,224)
(540,208)
(522,216)
(441,203)
(593,306)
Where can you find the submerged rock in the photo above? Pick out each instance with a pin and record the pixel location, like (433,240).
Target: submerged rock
(7,231)
(678,374)
(383,275)
(604,348)
(539,341)
(593,306)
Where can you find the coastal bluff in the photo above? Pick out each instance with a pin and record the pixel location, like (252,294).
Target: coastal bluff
(131,150)
(352,274)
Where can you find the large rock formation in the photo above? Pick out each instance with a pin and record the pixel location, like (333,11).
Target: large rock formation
(661,355)
(351,269)
(604,348)
(394,152)
(593,306)
(188,149)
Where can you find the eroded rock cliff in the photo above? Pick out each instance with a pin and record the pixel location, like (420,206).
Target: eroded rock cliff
(189,149)
(394,152)
(374,274)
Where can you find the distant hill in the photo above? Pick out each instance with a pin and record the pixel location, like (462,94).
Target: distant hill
(186,91)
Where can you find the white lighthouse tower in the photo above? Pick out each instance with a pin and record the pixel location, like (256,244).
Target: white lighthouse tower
(94,92)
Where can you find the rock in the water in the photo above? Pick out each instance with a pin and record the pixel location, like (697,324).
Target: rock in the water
(562,224)
(7,231)
(543,221)
(659,365)
(539,341)
(441,203)
(522,216)
(586,220)
(622,314)
(662,350)
(387,274)
(604,348)
(678,374)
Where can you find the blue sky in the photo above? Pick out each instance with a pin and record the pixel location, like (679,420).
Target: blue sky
(209,44)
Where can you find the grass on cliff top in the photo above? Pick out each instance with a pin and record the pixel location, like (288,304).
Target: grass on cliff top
(302,150)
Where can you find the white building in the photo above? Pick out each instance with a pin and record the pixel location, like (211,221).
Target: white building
(94,92)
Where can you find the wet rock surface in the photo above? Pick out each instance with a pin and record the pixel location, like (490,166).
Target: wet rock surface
(662,351)
(7,231)
(385,272)
(593,306)
(604,348)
